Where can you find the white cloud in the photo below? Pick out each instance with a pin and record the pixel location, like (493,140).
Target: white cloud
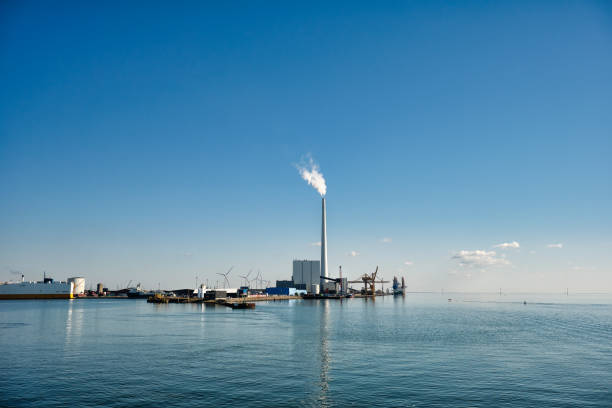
(583,268)
(479,258)
(353,253)
(555,245)
(386,240)
(507,245)
(315,243)
(409,263)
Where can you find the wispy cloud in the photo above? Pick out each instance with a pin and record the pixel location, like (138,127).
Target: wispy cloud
(315,243)
(559,245)
(507,245)
(582,268)
(353,253)
(479,258)
(386,240)
(409,263)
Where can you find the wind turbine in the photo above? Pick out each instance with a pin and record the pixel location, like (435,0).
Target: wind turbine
(257,277)
(225,276)
(246,278)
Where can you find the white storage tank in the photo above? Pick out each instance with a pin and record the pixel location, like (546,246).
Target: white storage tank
(79,285)
(314,289)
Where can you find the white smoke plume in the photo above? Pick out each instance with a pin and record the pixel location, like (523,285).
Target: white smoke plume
(310,172)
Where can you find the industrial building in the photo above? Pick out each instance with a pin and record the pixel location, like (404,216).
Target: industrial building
(284,292)
(79,285)
(306,274)
(213,294)
(285,283)
(310,276)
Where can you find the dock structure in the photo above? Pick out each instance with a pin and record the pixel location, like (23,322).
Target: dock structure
(176,299)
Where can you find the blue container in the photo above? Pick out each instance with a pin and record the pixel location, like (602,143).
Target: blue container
(280,291)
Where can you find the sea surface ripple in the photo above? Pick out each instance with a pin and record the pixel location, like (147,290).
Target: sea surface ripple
(418,351)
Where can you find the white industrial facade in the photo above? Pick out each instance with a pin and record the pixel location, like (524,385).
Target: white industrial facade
(79,285)
(306,272)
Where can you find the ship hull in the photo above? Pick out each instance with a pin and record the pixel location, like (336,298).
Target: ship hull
(37,290)
(37,296)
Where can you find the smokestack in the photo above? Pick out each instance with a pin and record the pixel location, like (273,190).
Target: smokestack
(323,244)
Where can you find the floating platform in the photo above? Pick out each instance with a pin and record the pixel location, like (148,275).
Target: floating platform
(313,296)
(174,299)
(240,305)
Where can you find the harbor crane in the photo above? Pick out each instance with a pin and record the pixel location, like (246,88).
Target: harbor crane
(369,280)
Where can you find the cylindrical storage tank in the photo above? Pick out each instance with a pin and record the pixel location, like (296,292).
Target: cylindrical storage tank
(100,288)
(315,289)
(79,285)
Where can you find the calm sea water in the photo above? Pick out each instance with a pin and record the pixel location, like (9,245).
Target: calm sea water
(417,351)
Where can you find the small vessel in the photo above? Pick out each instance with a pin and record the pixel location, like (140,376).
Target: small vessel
(397,289)
(45,289)
(139,293)
(241,305)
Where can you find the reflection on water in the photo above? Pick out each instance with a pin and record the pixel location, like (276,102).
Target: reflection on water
(324,352)
(74,324)
(412,351)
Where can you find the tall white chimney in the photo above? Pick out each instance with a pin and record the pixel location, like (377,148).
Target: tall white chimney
(323,244)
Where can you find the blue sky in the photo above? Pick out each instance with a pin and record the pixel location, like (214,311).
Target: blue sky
(158,143)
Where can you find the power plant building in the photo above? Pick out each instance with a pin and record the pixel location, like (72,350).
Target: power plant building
(306,273)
